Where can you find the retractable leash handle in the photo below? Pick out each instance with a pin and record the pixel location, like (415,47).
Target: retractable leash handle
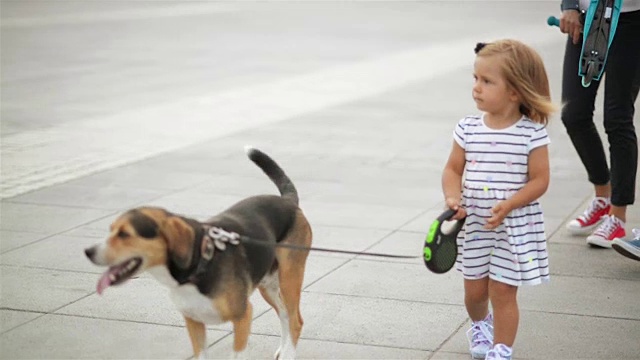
(441,250)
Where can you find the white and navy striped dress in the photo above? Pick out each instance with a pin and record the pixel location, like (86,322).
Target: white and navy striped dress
(496,167)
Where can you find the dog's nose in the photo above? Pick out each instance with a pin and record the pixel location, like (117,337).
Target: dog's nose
(90,252)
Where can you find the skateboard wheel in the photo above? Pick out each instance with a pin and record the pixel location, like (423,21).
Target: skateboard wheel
(589,74)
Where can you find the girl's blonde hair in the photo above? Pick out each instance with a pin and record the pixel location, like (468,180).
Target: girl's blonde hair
(525,73)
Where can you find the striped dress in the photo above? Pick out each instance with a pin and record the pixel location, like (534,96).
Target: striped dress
(496,166)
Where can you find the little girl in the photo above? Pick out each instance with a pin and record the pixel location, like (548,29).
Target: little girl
(505,161)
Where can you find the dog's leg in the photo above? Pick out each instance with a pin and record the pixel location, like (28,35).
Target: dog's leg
(241,330)
(290,289)
(291,265)
(198,336)
(270,290)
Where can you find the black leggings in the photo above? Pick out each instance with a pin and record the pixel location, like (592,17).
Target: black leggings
(622,82)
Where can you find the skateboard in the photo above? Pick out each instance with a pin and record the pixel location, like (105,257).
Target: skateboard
(600,23)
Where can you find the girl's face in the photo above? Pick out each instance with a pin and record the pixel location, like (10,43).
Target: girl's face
(491,92)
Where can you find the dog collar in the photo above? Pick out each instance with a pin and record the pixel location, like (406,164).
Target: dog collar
(214,239)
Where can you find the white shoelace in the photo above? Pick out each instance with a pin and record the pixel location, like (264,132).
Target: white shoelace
(481,334)
(609,224)
(499,352)
(636,234)
(596,204)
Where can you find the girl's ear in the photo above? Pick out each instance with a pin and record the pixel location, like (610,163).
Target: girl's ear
(514,96)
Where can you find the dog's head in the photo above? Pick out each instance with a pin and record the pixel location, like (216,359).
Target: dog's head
(140,239)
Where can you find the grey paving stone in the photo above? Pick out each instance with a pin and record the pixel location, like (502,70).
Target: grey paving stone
(598,297)
(565,336)
(10,319)
(137,177)
(582,261)
(194,204)
(390,280)
(264,347)
(10,239)
(69,337)
(57,252)
(45,218)
(367,321)
(359,215)
(403,243)
(345,238)
(91,197)
(320,265)
(381,194)
(443,355)
(42,290)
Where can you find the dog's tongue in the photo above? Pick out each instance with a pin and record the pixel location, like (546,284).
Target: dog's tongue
(104,282)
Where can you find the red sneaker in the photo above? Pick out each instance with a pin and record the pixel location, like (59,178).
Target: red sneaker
(591,218)
(611,228)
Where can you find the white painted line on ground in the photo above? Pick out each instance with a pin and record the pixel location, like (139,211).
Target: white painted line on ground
(44,157)
(120,15)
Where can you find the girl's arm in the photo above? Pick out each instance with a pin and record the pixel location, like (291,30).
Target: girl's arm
(452,179)
(536,186)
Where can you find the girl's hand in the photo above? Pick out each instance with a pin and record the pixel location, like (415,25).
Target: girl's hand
(499,212)
(570,24)
(454,204)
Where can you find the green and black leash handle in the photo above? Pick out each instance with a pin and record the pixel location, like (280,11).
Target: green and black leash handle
(441,250)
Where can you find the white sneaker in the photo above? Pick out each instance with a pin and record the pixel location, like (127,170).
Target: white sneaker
(499,352)
(591,218)
(480,337)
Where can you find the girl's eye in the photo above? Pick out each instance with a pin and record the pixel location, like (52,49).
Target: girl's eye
(122,234)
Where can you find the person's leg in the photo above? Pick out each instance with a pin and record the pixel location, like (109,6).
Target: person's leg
(577,117)
(621,91)
(506,315)
(476,298)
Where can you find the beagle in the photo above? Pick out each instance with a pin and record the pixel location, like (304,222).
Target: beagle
(210,270)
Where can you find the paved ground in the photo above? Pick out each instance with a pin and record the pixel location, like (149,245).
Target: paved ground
(108,105)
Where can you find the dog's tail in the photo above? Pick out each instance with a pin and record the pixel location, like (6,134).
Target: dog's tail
(274,172)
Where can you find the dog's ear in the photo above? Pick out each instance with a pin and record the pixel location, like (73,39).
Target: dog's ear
(180,239)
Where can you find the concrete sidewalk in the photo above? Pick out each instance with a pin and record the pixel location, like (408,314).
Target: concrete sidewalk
(368,173)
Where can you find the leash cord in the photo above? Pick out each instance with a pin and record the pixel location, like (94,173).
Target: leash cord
(249,240)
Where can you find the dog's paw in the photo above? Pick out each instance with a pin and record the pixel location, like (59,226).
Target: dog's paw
(286,354)
(241,355)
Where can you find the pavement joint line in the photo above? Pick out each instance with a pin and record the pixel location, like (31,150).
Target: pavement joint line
(346,342)
(50,269)
(115,320)
(60,232)
(27,322)
(68,206)
(444,342)
(383,298)
(582,315)
(570,215)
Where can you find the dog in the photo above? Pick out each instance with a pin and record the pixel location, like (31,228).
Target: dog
(209,267)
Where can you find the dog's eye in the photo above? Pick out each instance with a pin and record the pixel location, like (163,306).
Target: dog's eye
(122,234)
